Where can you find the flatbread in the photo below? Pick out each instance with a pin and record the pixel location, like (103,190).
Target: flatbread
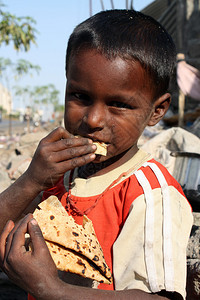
(62,233)
(69,261)
(101,148)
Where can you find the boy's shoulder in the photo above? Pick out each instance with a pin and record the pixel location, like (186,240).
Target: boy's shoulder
(158,175)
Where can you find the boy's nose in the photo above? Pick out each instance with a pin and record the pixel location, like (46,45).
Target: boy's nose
(95,116)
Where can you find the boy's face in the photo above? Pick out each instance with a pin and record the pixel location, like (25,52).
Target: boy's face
(107,101)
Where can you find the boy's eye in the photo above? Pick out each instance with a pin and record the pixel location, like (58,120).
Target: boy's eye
(120,104)
(81,97)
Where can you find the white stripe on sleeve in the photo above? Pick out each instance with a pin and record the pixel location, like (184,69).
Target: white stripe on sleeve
(149,231)
(167,227)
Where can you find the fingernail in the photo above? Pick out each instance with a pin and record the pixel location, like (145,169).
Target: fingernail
(94,147)
(33,222)
(8,222)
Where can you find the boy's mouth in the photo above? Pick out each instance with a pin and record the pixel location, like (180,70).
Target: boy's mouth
(101,148)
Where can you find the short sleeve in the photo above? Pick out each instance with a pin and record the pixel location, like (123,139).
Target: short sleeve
(143,258)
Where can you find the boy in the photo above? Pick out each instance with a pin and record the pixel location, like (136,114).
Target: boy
(118,66)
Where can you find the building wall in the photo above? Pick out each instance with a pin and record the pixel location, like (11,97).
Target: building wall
(5,99)
(192,33)
(181,18)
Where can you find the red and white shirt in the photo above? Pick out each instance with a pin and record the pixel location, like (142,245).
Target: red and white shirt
(142,222)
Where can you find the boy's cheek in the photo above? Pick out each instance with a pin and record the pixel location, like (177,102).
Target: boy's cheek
(70,125)
(72,121)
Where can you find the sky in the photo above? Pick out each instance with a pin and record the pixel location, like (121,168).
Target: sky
(55,21)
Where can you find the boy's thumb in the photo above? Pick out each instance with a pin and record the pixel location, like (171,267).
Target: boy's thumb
(36,235)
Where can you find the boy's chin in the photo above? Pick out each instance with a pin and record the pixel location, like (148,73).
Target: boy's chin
(108,159)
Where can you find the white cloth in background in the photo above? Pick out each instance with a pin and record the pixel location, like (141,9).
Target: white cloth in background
(188,79)
(173,139)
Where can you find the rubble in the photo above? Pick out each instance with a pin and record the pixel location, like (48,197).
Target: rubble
(16,155)
(193,260)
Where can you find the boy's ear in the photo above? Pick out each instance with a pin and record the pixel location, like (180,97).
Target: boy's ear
(160,108)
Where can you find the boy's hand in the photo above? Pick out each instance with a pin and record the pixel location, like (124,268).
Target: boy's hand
(56,154)
(34,271)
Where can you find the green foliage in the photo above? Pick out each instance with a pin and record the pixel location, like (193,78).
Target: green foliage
(40,95)
(23,67)
(60,108)
(17,69)
(5,63)
(46,94)
(18,30)
(2,110)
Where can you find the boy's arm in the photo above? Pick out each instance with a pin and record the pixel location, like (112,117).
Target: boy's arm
(16,198)
(56,154)
(36,272)
(62,291)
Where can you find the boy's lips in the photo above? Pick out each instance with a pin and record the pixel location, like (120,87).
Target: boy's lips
(97,140)
(102,146)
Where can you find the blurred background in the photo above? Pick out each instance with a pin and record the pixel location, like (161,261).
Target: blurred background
(33,42)
(32,55)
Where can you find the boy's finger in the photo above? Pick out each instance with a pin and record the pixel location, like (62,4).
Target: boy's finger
(58,134)
(36,236)
(72,143)
(70,153)
(16,238)
(82,160)
(3,239)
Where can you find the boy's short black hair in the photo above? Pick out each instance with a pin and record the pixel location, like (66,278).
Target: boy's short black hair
(130,35)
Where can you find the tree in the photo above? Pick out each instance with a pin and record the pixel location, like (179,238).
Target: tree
(40,97)
(10,71)
(21,32)
(25,94)
(46,94)
(18,30)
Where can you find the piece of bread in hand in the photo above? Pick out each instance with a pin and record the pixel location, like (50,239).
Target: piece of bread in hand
(73,247)
(101,148)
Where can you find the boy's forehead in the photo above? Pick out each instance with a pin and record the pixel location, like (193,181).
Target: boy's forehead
(91,71)
(95,59)
(99,64)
